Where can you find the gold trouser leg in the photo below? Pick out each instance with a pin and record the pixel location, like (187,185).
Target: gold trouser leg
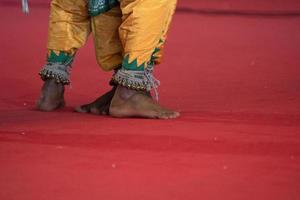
(158,55)
(107,43)
(107,30)
(144,24)
(69,25)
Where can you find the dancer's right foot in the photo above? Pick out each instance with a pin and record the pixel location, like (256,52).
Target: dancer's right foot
(52,96)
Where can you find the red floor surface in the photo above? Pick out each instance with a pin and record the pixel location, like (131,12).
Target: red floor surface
(235,79)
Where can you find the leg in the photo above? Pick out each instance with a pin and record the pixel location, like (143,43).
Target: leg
(69,27)
(107,42)
(108,52)
(145,22)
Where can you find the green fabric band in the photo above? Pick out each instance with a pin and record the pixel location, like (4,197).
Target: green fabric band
(60,58)
(97,7)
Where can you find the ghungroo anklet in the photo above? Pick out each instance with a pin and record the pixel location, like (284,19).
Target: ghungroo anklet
(137,80)
(57,71)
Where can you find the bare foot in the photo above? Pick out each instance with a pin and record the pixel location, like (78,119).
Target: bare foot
(100,106)
(131,103)
(52,96)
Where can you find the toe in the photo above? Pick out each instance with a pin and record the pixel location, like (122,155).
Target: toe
(100,110)
(176,114)
(172,115)
(82,109)
(95,110)
(163,115)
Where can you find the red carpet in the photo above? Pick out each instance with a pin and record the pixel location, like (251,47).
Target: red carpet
(236,80)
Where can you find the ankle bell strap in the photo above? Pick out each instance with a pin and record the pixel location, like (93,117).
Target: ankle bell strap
(137,80)
(59,72)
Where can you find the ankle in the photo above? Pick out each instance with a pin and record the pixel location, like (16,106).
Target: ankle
(124,93)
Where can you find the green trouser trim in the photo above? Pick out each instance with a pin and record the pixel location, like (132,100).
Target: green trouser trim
(97,7)
(134,64)
(153,57)
(62,58)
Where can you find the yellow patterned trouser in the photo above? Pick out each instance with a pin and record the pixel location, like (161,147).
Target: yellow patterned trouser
(133,32)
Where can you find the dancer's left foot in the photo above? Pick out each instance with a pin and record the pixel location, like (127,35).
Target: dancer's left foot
(100,106)
(130,103)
